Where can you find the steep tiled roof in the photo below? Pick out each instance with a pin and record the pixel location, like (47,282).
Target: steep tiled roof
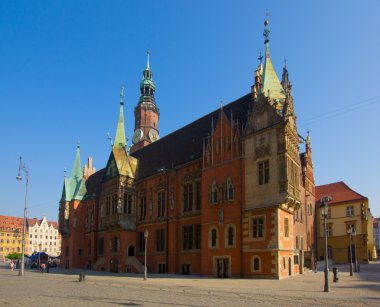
(10,222)
(339,192)
(186,144)
(93,183)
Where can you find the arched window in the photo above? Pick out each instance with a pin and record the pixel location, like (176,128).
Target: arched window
(230,236)
(229,195)
(256,264)
(214,237)
(214,193)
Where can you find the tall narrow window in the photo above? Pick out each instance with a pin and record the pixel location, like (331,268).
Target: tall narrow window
(160,240)
(188,197)
(258,227)
(198,195)
(286,227)
(214,193)
(230,236)
(263,172)
(127,203)
(229,195)
(142,208)
(141,242)
(214,235)
(160,204)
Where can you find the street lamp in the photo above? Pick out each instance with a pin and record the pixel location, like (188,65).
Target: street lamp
(355,250)
(324,202)
(146,233)
(23,167)
(350,231)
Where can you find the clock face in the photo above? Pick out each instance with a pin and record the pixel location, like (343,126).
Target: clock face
(137,136)
(153,135)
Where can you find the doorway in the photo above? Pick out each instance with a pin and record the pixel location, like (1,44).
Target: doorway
(222,267)
(131,251)
(114,265)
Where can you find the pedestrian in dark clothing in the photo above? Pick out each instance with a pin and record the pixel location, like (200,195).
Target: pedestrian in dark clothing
(48,266)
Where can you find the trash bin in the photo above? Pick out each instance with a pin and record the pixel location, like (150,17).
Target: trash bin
(335,271)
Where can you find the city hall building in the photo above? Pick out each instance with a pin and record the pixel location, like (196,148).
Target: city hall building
(228,195)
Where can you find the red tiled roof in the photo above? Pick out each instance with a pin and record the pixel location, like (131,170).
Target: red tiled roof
(11,222)
(339,192)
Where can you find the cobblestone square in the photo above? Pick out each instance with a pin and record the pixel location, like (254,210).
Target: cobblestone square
(61,288)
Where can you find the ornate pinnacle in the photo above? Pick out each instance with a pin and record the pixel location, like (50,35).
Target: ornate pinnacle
(266,32)
(122,95)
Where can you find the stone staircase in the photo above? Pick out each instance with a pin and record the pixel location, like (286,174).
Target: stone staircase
(134,262)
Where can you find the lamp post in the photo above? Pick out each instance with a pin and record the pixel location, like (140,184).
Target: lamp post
(350,231)
(324,202)
(146,233)
(355,250)
(24,168)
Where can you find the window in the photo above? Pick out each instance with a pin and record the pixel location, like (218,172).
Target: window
(108,205)
(161,268)
(67,251)
(296,259)
(160,204)
(256,264)
(284,262)
(229,191)
(198,195)
(191,237)
(142,208)
(114,203)
(160,240)
(141,242)
(214,237)
(88,247)
(127,203)
(263,172)
(286,227)
(329,213)
(349,210)
(297,242)
(115,244)
(258,227)
(214,193)
(230,236)
(188,197)
(328,230)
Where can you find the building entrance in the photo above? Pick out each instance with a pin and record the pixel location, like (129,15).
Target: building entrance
(222,267)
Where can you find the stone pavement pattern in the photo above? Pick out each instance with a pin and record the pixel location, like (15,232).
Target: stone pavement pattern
(61,288)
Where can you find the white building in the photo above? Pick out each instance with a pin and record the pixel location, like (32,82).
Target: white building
(43,236)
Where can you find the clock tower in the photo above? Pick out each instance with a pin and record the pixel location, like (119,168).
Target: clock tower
(146,112)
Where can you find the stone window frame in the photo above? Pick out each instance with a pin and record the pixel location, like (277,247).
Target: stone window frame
(214,193)
(253,270)
(210,246)
(226,236)
(229,184)
(286,228)
(263,216)
(263,172)
(350,211)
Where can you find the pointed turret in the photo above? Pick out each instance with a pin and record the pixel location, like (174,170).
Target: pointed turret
(120,140)
(147,87)
(271,86)
(77,172)
(285,82)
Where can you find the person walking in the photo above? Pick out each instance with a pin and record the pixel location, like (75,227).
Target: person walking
(43,267)
(48,266)
(12,265)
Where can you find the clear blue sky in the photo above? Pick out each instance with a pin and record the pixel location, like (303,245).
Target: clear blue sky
(62,64)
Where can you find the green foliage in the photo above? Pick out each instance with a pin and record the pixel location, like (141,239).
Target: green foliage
(14,256)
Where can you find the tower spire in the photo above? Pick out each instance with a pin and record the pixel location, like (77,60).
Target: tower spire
(147,61)
(120,140)
(77,172)
(271,84)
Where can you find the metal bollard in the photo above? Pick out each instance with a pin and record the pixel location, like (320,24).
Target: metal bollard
(335,271)
(82,277)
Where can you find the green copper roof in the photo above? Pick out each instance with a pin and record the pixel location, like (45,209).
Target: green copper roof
(74,187)
(120,140)
(272,87)
(77,172)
